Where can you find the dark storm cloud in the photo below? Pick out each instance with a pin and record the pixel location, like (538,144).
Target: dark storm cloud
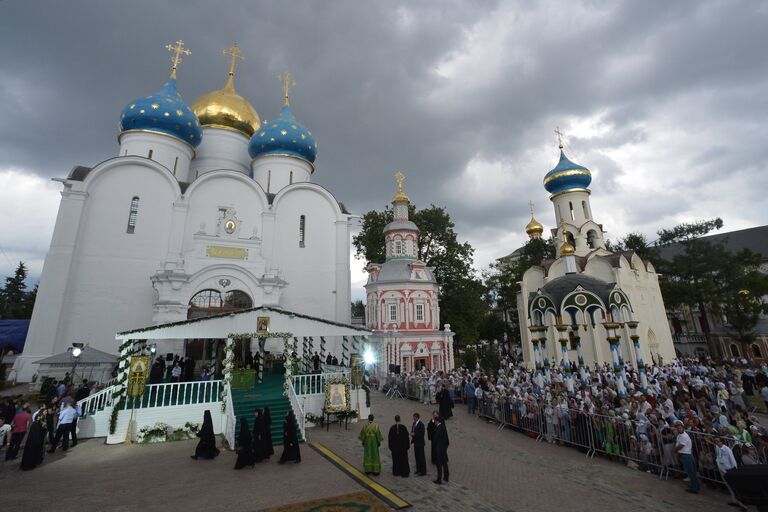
(439,89)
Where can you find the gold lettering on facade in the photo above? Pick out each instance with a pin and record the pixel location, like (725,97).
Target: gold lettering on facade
(230,253)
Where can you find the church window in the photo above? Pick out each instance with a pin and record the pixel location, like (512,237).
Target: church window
(756,351)
(591,236)
(175,165)
(398,247)
(269,180)
(149,155)
(302,229)
(734,350)
(132,214)
(393,312)
(570,206)
(419,312)
(584,207)
(290,178)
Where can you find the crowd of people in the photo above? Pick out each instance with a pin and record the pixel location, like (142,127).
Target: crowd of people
(692,417)
(53,423)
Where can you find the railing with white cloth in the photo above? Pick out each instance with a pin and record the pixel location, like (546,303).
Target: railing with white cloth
(334,368)
(314,383)
(298,410)
(229,430)
(97,401)
(179,393)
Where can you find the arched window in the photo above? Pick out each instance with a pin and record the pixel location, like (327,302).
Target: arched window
(398,247)
(571,240)
(302,230)
(570,207)
(591,238)
(734,350)
(290,178)
(211,302)
(132,214)
(756,351)
(584,207)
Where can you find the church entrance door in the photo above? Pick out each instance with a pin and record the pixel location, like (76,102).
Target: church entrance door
(421,363)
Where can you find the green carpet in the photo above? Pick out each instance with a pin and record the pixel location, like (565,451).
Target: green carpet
(267,394)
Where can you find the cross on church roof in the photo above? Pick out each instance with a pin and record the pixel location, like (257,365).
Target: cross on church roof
(234,52)
(559,137)
(288,82)
(177,50)
(530,205)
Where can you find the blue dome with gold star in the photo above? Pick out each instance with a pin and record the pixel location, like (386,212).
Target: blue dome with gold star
(284,135)
(567,176)
(163,112)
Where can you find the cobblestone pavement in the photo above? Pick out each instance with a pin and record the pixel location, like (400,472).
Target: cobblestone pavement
(495,469)
(162,477)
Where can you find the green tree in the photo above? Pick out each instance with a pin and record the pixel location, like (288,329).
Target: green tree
(693,270)
(16,302)
(358,309)
(744,303)
(636,242)
(503,277)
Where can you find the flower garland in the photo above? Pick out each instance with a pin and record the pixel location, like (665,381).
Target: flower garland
(127,349)
(161,432)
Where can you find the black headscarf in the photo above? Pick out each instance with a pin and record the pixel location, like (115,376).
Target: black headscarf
(33,449)
(206,448)
(269,450)
(245,447)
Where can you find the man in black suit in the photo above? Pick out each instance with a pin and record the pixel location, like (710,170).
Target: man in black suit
(417,440)
(440,443)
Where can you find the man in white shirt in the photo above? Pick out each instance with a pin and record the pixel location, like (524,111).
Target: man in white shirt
(66,421)
(5,428)
(684,450)
(726,462)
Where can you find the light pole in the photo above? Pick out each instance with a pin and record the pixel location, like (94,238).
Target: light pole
(75,351)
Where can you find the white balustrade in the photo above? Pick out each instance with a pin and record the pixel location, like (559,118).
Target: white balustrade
(97,401)
(180,393)
(298,410)
(314,383)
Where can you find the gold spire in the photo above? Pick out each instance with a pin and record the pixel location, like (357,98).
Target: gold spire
(288,82)
(177,51)
(226,109)
(559,137)
(533,229)
(400,194)
(234,52)
(566,249)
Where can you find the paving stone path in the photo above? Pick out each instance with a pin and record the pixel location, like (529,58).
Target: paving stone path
(495,469)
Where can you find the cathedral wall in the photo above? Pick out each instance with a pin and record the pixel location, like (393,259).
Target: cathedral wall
(308,261)
(642,289)
(221,149)
(109,288)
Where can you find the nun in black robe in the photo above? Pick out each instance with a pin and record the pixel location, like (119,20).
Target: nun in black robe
(446,404)
(269,450)
(245,447)
(258,436)
(291,450)
(206,448)
(34,447)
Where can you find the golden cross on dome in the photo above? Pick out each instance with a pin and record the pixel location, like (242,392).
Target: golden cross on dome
(530,205)
(234,52)
(177,51)
(399,178)
(288,82)
(559,137)
(565,229)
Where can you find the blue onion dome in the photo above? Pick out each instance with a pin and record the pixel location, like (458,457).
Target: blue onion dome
(284,135)
(162,112)
(566,176)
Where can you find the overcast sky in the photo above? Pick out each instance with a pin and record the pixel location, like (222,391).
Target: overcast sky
(665,102)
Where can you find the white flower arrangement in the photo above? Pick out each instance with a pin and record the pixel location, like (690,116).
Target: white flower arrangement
(161,432)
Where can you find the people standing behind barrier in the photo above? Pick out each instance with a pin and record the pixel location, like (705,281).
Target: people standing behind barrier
(684,450)
(725,463)
(469,392)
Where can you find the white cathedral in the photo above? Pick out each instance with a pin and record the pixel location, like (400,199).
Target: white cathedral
(588,305)
(204,209)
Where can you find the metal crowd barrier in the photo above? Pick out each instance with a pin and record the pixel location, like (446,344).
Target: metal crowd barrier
(421,391)
(641,445)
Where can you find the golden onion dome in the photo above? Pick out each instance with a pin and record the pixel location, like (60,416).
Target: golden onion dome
(224,108)
(567,249)
(534,229)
